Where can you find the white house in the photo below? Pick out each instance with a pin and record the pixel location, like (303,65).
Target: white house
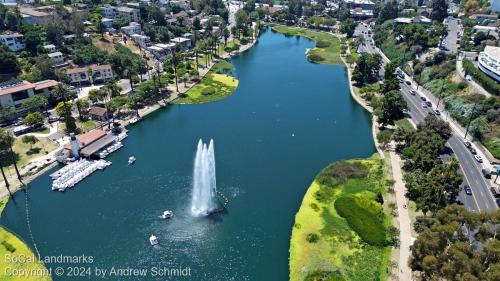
(91,74)
(57,58)
(182,43)
(49,48)
(161,51)
(129,13)
(142,40)
(14,92)
(132,28)
(13,40)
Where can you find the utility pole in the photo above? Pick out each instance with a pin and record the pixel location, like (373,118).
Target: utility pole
(440,95)
(470,120)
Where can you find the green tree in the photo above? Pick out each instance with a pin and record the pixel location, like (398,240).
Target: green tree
(35,103)
(9,67)
(439,10)
(34,119)
(63,109)
(390,10)
(81,105)
(348,26)
(6,143)
(29,139)
(367,68)
(391,108)
(391,81)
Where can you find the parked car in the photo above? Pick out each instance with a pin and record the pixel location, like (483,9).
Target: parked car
(431,113)
(495,192)
(486,173)
(478,158)
(467,190)
(53,118)
(408,82)
(438,112)
(423,98)
(472,150)
(467,144)
(413,92)
(424,105)
(429,104)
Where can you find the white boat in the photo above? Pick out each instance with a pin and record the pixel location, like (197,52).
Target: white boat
(131,160)
(167,215)
(152,240)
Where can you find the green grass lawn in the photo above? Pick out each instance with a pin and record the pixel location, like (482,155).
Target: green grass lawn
(326,55)
(25,152)
(216,85)
(404,123)
(87,125)
(492,143)
(340,230)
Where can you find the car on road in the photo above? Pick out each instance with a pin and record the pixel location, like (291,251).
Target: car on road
(423,98)
(429,104)
(424,105)
(408,82)
(472,150)
(478,158)
(486,173)
(406,111)
(438,112)
(467,144)
(431,112)
(495,192)
(467,190)
(413,92)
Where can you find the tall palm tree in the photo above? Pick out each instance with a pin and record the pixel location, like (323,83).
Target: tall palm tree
(7,185)
(61,92)
(6,142)
(175,61)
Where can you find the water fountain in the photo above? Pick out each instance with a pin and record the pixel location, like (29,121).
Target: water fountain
(203,200)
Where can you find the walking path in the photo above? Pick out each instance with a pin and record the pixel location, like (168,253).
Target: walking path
(461,72)
(404,272)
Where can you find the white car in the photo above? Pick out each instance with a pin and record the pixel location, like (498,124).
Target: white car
(478,158)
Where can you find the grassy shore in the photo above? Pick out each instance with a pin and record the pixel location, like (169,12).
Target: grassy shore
(216,85)
(340,230)
(11,247)
(327,49)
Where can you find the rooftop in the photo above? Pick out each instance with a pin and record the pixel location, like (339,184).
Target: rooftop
(98,111)
(493,52)
(55,54)
(87,138)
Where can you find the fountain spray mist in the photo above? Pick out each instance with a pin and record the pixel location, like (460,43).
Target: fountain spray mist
(203,199)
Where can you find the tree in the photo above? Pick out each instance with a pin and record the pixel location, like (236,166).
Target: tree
(34,119)
(384,137)
(64,109)
(242,21)
(8,114)
(9,67)
(389,11)
(12,20)
(33,38)
(439,10)
(61,92)
(367,68)
(436,125)
(55,31)
(348,26)
(35,103)
(391,81)
(391,108)
(6,143)
(81,105)
(29,139)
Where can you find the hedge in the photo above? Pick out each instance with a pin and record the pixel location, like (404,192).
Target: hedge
(488,83)
(366,222)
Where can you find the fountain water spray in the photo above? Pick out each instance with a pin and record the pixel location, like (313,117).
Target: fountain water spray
(203,200)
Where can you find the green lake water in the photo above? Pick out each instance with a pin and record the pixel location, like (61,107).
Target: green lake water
(287,120)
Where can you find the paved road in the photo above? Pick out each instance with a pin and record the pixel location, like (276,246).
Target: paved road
(481,199)
(450,41)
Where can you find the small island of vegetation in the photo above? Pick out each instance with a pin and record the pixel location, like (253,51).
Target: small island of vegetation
(341,231)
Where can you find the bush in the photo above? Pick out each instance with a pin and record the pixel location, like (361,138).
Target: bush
(208,91)
(365,217)
(312,238)
(322,44)
(323,276)
(339,172)
(482,78)
(314,57)
(8,246)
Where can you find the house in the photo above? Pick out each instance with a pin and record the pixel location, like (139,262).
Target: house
(36,16)
(98,113)
(108,11)
(57,58)
(87,144)
(13,40)
(132,28)
(421,20)
(14,92)
(90,74)
(49,48)
(129,13)
(107,23)
(162,51)
(488,30)
(360,9)
(483,18)
(142,40)
(489,62)
(182,44)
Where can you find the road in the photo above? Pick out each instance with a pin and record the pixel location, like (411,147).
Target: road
(450,41)
(481,198)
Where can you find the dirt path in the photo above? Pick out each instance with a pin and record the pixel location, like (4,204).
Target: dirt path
(404,272)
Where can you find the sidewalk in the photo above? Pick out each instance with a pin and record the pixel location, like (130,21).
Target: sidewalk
(404,272)
(461,73)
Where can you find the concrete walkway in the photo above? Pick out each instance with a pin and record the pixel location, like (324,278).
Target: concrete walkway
(404,272)
(473,83)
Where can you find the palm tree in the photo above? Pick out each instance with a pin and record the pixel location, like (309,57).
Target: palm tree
(175,61)
(225,34)
(7,185)
(6,142)
(61,92)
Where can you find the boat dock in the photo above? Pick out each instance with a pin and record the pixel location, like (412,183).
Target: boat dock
(73,173)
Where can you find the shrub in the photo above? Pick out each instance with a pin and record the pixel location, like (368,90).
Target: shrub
(208,91)
(314,206)
(482,78)
(312,238)
(314,57)
(363,216)
(322,44)
(339,172)
(8,246)
(324,276)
